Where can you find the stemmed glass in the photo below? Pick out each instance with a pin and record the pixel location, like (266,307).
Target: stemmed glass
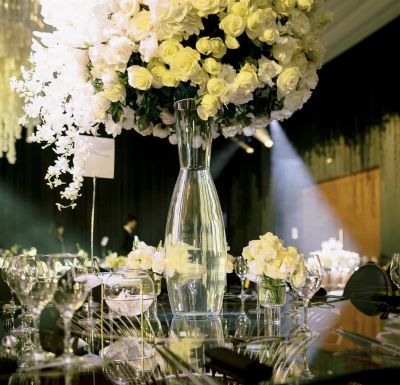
(395,269)
(241,269)
(34,285)
(306,283)
(72,289)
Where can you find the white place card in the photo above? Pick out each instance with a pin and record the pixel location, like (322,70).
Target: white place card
(98,155)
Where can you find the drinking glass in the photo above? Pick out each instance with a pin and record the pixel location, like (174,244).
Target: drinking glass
(306,283)
(72,289)
(395,269)
(241,269)
(34,285)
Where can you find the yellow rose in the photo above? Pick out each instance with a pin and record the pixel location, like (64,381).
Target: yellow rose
(200,77)
(216,86)
(139,77)
(115,93)
(227,73)
(267,70)
(167,49)
(203,45)
(255,24)
(231,42)
(211,66)
(158,71)
(208,107)
(269,35)
(185,63)
(169,80)
(288,80)
(218,48)
(206,7)
(233,25)
(140,25)
(240,8)
(305,5)
(247,78)
(284,6)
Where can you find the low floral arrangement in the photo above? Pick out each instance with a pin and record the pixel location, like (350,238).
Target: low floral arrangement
(147,258)
(268,257)
(114,261)
(121,64)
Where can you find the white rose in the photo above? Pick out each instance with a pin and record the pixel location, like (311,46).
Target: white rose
(140,25)
(206,7)
(295,99)
(167,118)
(118,50)
(99,105)
(300,61)
(311,78)
(230,131)
(160,132)
(300,22)
(112,128)
(128,118)
(228,73)
(281,114)
(148,47)
(129,7)
(288,80)
(173,139)
(284,51)
(248,131)
(314,49)
(267,70)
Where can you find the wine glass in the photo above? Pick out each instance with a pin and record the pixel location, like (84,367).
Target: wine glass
(241,269)
(34,285)
(72,289)
(306,281)
(395,269)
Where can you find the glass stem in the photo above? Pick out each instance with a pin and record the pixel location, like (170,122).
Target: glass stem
(305,308)
(258,296)
(67,335)
(36,332)
(242,282)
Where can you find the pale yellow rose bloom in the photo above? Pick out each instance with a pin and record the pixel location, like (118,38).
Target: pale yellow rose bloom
(240,8)
(233,25)
(255,24)
(169,80)
(288,80)
(167,49)
(140,25)
(158,70)
(305,5)
(216,86)
(218,48)
(115,93)
(208,107)
(185,63)
(203,45)
(231,42)
(139,77)
(206,7)
(247,78)
(212,66)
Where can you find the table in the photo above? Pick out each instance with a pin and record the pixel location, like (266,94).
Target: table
(329,354)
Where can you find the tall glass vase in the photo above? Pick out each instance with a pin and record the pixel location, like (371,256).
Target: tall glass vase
(195,235)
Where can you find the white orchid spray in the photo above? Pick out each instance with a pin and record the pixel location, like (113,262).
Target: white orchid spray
(121,64)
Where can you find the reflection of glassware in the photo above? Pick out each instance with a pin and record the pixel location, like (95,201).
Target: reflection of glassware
(395,269)
(34,285)
(6,268)
(242,323)
(195,221)
(189,338)
(72,289)
(307,282)
(241,269)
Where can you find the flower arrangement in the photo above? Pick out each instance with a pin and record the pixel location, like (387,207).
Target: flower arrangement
(121,64)
(114,261)
(268,257)
(148,258)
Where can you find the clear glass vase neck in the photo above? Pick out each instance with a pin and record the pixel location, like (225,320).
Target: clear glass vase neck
(193,135)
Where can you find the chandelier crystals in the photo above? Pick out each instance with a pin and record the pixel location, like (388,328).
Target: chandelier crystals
(18,20)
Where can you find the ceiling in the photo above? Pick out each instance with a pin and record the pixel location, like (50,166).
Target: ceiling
(354,20)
